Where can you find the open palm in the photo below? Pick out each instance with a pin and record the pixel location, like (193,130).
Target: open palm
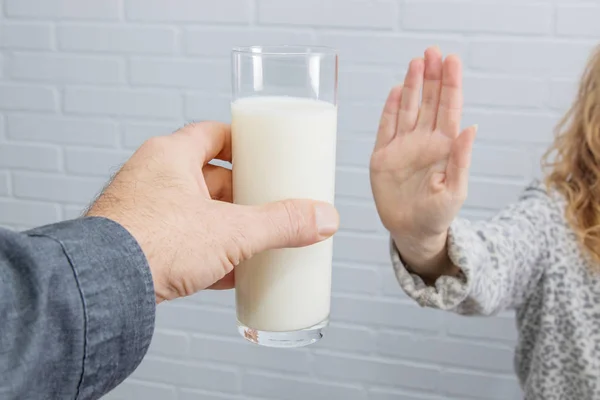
(419,168)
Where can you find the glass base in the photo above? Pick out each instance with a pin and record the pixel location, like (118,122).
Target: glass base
(300,338)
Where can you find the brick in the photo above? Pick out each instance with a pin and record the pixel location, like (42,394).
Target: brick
(30,157)
(189,10)
(186,374)
(376,371)
(116,39)
(578,20)
(26,97)
(190,394)
(431,349)
(243,353)
(511,127)
(4,183)
(355,280)
(193,319)
(136,133)
(218,42)
(474,214)
(63,9)
(465,16)
(201,107)
(492,195)
(123,102)
(284,388)
(504,91)
(66,69)
(358,217)
(355,151)
(388,394)
(132,389)
(539,57)
(390,285)
(353,184)
(358,118)
(345,338)
(221,298)
(26,213)
(499,328)
(497,161)
(381,14)
(384,313)
(562,94)
(361,248)
(51,187)
(103,163)
(62,130)
(537,155)
(365,83)
(170,344)
(73,211)
(206,75)
(391,49)
(25,35)
(478,386)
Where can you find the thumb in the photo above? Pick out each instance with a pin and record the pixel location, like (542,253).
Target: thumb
(290,223)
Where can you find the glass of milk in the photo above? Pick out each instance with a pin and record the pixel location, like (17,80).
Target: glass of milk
(284,123)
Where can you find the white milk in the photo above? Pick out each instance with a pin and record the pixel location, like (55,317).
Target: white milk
(284,147)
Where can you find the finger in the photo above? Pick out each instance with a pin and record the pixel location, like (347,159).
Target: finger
(411,93)
(225,283)
(389,118)
(288,223)
(457,171)
(218,181)
(431,88)
(451,97)
(206,140)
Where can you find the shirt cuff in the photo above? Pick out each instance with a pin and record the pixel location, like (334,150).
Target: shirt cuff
(447,292)
(117,292)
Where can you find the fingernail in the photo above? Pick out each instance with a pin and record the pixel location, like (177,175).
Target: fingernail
(476,127)
(327,219)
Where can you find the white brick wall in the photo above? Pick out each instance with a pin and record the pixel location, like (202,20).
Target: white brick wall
(84,82)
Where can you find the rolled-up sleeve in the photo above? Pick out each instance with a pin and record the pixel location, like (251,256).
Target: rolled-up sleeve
(500,260)
(77,309)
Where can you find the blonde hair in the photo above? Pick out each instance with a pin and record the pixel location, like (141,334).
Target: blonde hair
(574,169)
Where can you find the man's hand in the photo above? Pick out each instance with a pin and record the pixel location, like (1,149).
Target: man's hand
(177,206)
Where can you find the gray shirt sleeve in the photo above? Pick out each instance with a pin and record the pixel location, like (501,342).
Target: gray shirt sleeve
(77,310)
(501,260)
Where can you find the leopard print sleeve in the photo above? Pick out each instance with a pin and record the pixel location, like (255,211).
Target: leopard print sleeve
(501,260)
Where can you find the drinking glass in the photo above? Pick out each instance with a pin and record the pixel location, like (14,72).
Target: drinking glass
(284,123)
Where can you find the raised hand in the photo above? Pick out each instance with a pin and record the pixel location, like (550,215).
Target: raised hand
(419,167)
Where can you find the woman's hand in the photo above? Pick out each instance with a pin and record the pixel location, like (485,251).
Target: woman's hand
(419,168)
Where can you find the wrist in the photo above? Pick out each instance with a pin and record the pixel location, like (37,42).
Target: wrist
(427,256)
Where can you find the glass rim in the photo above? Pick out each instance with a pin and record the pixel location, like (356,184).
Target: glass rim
(285,50)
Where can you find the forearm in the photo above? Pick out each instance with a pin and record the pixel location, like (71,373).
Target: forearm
(426,257)
(498,262)
(77,307)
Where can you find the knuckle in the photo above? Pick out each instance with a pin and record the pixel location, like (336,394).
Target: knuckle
(155,142)
(295,221)
(240,249)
